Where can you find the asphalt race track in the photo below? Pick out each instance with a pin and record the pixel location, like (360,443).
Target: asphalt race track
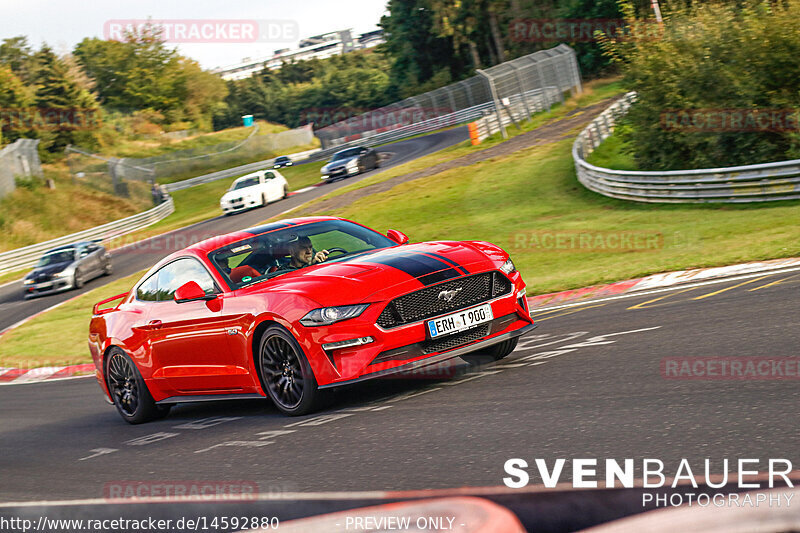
(14,308)
(587,383)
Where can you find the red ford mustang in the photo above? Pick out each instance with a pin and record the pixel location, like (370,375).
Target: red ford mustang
(237,316)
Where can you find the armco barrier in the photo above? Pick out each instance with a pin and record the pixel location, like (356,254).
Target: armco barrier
(232,172)
(28,256)
(743,184)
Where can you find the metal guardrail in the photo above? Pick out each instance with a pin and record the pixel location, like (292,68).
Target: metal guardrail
(28,256)
(232,172)
(742,184)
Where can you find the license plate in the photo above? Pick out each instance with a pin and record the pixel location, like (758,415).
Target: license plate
(46,285)
(459,321)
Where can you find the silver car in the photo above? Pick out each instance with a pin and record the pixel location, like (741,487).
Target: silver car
(67,267)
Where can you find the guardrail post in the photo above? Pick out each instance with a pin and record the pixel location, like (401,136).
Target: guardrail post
(493,90)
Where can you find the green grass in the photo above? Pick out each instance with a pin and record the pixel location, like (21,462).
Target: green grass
(594,92)
(520,201)
(613,153)
(149,147)
(59,337)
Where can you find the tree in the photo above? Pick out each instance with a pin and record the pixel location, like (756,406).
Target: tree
(16,54)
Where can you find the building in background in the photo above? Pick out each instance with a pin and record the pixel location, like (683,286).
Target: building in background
(315,47)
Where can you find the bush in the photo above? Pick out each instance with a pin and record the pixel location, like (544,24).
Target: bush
(713,56)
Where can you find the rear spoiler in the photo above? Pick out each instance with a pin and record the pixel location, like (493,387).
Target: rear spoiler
(97,311)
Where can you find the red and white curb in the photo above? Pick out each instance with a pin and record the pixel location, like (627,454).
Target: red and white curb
(665,280)
(542,302)
(10,376)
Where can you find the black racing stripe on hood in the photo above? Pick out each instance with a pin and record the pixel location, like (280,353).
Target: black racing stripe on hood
(426,269)
(449,261)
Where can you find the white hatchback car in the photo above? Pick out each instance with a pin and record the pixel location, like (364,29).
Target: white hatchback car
(254,190)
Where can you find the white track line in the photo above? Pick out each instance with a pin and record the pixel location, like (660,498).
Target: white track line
(666,289)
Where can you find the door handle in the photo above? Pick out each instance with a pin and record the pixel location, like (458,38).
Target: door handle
(154,324)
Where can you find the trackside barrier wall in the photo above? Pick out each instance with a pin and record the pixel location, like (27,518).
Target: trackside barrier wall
(28,256)
(742,184)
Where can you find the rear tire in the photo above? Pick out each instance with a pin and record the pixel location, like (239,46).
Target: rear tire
(286,375)
(108,269)
(128,390)
(285,191)
(492,353)
(263,200)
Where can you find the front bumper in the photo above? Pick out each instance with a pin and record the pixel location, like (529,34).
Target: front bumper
(48,287)
(438,358)
(395,349)
(235,207)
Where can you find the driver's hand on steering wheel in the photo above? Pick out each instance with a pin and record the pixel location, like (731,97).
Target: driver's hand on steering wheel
(320,256)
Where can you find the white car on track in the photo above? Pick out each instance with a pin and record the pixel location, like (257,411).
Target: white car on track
(254,190)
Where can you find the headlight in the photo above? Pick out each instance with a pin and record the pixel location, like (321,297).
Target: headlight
(508,267)
(27,282)
(329,315)
(63,274)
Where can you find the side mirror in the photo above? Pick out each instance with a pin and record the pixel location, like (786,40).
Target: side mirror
(190,292)
(397,236)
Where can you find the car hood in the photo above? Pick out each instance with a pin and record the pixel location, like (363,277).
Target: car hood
(338,163)
(382,274)
(49,270)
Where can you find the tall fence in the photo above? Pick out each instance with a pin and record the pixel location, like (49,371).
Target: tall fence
(19,159)
(125,176)
(742,184)
(517,88)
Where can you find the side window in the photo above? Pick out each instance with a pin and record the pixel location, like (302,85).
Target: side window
(148,290)
(179,272)
(268,176)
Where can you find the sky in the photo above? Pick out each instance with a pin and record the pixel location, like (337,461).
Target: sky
(62,23)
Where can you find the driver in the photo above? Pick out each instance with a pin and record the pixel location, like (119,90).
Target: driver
(302,254)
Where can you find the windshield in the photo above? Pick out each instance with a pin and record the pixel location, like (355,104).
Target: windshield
(244,183)
(346,154)
(57,256)
(278,252)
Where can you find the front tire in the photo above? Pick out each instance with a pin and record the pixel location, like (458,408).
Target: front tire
(491,354)
(128,390)
(285,374)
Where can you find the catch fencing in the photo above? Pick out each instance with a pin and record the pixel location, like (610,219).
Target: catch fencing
(516,88)
(127,176)
(19,159)
(742,184)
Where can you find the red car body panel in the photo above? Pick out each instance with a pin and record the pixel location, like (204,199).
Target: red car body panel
(206,347)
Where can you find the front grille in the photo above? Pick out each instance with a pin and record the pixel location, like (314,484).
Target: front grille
(425,303)
(454,340)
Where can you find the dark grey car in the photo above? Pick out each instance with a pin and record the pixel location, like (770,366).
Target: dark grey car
(350,162)
(67,267)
